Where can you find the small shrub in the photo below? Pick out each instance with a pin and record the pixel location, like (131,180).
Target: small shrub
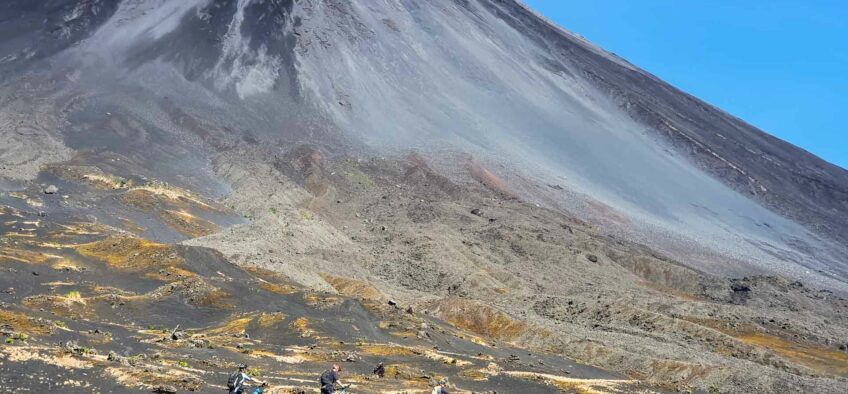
(183,364)
(10,341)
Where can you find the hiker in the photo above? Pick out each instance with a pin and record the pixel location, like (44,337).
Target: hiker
(379,370)
(330,378)
(440,388)
(235,384)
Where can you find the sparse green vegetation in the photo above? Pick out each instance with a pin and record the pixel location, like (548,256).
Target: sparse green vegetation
(273,210)
(183,364)
(10,341)
(305,214)
(74,294)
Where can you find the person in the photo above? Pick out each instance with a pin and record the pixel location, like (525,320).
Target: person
(330,378)
(441,388)
(379,370)
(235,384)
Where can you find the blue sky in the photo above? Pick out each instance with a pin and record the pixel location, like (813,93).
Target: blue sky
(780,65)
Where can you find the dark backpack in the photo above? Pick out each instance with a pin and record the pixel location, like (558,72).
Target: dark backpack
(233,381)
(326,378)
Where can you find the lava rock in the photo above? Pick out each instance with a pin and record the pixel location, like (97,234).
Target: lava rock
(165,389)
(592,258)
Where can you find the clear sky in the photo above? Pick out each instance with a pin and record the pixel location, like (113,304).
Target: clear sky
(781,65)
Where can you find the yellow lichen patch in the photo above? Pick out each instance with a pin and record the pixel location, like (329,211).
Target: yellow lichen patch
(272,281)
(401,371)
(43,354)
(480,319)
(19,235)
(170,273)
(132,226)
(107,181)
(387,350)
(445,358)
(65,265)
(149,196)
(353,287)
(21,323)
(131,254)
(475,374)
(216,298)
(77,229)
(187,224)
(587,386)
(70,305)
(293,359)
(301,325)
(276,288)
(148,377)
(822,360)
(25,256)
(320,300)
(267,320)
(234,326)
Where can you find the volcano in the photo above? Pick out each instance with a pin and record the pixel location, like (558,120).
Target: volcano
(273,171)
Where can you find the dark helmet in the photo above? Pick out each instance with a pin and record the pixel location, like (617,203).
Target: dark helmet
(242,366)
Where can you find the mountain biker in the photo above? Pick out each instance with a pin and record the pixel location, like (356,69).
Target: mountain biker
(441,388)
(235,384)
(330,378)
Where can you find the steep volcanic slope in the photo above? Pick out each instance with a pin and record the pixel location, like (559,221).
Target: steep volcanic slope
(558,198)
(485,78)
